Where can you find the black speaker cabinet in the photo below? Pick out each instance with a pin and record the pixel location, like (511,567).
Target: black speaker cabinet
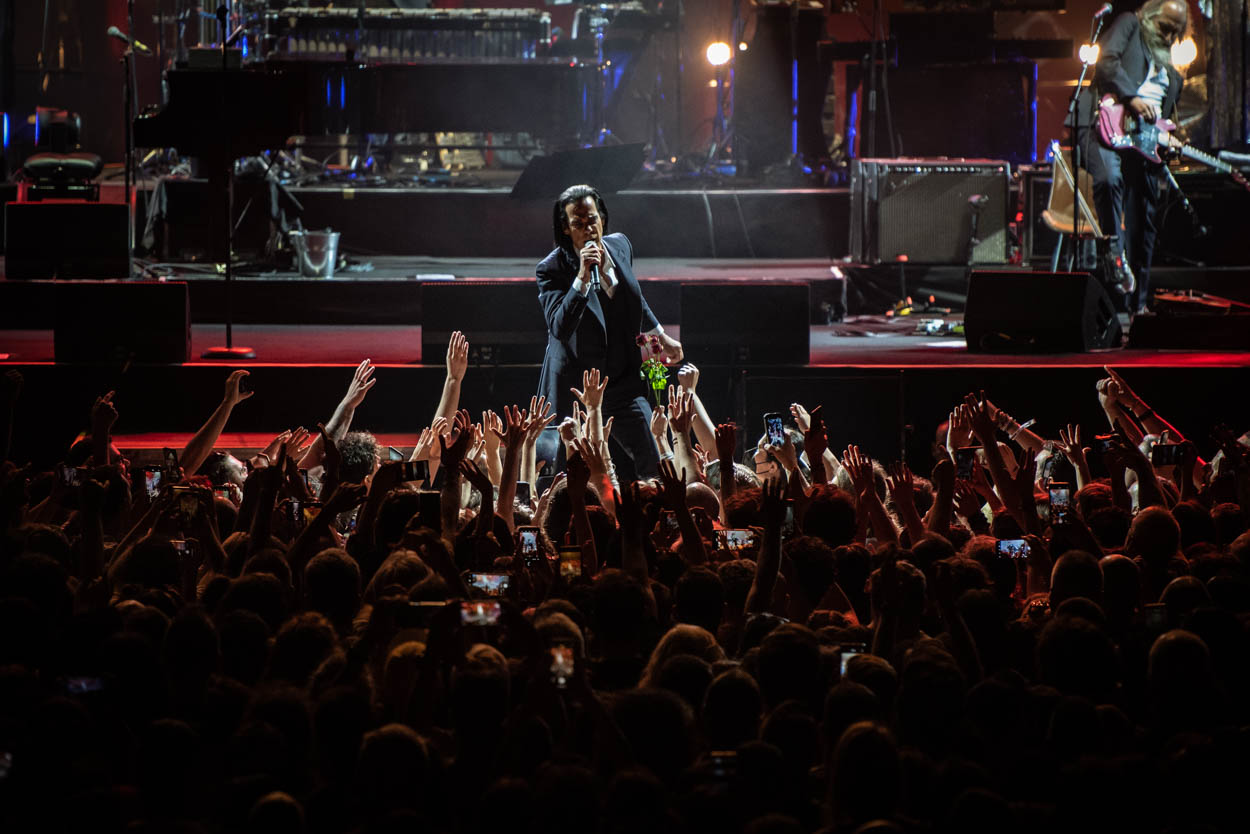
(1039,312)
(501,319)
(120,321)
(65,240)
(922,210)
(746,323)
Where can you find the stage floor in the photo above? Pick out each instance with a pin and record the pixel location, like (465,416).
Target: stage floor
(859,342)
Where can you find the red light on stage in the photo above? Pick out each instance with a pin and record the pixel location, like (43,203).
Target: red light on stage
(1019,217)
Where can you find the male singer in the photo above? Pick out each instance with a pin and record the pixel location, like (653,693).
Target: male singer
(595,310)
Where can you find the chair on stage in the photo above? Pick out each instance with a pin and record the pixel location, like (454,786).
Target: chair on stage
(1060,208)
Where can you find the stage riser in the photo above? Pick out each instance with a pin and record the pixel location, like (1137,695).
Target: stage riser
(885,411)
(662,224)
(28,305)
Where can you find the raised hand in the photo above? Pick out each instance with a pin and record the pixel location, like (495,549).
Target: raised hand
(659,422)
(513,436)
(457,356)
(802,418)
(477,478)
(578,476)
(629,509)
(901,484)
(672,486)
(593,456)
(1122,389)
(726,446)
(593,385)
(103,413)
(967,501)
(785,453)
(958,428)
(296,443)
(859,467)
(332,458)
(680,410)
(537,418)
(234,392)
(815,438)
(773,502)
(361,382)
(451,454)
(980,419)
(688,377)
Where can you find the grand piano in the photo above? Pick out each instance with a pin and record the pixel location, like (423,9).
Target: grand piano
(345,71)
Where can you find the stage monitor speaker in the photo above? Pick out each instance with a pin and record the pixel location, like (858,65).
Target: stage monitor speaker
(921,210)
(501,319)
(610,168)
(98,322)
(1039,312)
(65,240)
(746,323)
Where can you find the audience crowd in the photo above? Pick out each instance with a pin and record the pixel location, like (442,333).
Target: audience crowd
(1040,634)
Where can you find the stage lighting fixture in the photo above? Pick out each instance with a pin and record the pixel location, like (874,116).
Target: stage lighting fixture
(718,53)
(1088,53)
(1183,54)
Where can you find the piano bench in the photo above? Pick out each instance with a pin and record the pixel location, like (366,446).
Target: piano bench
(64,175)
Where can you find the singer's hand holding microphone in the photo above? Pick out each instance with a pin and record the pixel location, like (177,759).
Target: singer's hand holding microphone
(591,260)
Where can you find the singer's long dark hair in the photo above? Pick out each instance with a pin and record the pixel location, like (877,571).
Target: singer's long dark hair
(570,195)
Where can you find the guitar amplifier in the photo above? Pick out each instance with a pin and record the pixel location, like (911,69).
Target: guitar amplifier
(922,210)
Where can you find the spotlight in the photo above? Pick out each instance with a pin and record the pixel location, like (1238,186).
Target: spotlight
(718,53)
(1088,53)
(742,46)
(1183,54)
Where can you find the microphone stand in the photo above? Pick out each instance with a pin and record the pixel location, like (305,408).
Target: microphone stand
(128,102)
(230,351)
(1078,152)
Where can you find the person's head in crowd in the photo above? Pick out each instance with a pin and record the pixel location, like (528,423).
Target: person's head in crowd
(1154,537)
(1229,521)
(1075,574)
(679,640)
(1110,526)
(1121,588)
(831,516)
(699,599)
(222,468)
(732,708)
(332,586)
(790,667)
(361,456)
(865,776)
(1077,658)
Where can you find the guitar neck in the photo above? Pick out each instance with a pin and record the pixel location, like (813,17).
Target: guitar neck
(1207,159)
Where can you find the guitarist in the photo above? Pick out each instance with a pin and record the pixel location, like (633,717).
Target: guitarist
(1135,66)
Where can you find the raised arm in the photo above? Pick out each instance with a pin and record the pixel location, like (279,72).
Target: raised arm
(704,428)
(341,421)
(773,507)
(457,366)
(198,447)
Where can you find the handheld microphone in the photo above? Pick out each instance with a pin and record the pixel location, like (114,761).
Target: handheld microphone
(594,270)
(1103,12)
(137,45)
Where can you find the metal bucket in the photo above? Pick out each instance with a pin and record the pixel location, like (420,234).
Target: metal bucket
(316,252)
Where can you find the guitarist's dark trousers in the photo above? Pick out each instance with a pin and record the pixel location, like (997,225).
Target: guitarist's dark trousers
(1126,187)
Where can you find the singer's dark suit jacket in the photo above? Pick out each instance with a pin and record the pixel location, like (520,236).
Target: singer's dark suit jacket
(1123,62)
(577,334)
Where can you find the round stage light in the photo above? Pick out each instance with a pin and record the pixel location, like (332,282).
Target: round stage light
(718,53)
(1184,53)
(1088,53)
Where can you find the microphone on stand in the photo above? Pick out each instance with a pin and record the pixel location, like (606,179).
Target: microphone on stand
(1103,12)
(138,45)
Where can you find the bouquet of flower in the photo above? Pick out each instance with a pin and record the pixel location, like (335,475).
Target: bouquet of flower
(653,370)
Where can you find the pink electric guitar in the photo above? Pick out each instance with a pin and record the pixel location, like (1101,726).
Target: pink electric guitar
(1122,130)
